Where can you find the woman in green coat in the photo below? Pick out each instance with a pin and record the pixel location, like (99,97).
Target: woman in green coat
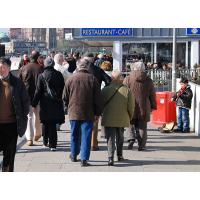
(118,110)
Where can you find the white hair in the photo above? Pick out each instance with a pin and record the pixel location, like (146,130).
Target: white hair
(57,57)
(137,66)
(83,64)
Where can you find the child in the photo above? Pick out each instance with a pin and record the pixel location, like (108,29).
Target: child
(183,100)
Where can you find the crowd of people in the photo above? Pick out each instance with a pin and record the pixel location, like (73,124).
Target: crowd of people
(83,87)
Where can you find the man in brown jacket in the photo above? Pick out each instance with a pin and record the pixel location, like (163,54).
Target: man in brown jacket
(29,75)
(82,97)
(145,101)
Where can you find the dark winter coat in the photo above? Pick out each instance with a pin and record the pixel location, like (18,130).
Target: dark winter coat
(21,103)
(185,100)
(144,92)
(29,75)
(99,74)
(50,109)
(82,96)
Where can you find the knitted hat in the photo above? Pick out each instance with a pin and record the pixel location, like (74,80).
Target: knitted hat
(49,62)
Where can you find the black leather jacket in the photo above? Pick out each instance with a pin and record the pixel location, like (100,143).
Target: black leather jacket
(185,100)
(99,74)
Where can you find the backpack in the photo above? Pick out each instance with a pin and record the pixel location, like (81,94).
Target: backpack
(167,127)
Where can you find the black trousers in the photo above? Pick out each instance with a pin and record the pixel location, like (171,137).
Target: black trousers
(8,143)
(49,134)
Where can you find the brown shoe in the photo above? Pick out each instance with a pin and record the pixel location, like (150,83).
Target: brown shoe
(29,143)
(37,137)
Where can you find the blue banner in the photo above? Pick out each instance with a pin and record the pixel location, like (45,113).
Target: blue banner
(107,32)
(193,31)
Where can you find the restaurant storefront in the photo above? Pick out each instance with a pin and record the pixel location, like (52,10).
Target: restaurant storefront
(153,44)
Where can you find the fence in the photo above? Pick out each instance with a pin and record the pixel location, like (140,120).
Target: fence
(162,79)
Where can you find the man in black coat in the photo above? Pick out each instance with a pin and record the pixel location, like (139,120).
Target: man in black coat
(14,108)
(101,76)
(49,91)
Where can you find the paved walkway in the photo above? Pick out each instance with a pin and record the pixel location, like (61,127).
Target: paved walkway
(166,152)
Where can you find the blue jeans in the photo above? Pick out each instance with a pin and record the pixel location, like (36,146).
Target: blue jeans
(81,134)
(183,119)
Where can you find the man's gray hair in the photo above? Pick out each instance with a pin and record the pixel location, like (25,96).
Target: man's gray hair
(137,66)
(83,64)
(57,57)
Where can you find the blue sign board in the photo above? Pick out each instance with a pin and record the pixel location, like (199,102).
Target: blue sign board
(107,32)
(193,31)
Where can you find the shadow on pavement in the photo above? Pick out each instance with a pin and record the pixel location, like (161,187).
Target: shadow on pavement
(131,163)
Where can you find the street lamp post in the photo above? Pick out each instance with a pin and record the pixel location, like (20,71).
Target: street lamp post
(174,62)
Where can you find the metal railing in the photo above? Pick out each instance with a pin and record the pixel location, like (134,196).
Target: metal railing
(162,79)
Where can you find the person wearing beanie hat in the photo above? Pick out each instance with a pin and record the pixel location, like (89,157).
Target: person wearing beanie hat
(29,74)
(101,77)
(49,62)
(83,100)
(183,100)
(48,92)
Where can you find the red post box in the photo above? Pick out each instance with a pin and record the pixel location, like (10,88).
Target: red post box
(166,109)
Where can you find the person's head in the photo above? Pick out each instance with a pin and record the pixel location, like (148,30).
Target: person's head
(117,77)
(83,64)
(106,66)
(52,54)
(5,65)
(59,58)
(88,56)
(137,66)
(100,56)
(34,56)
(76,55)
(49,62)
(40,60)
(25,57)
(184,82)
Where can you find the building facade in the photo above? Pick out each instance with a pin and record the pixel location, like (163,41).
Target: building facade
(153,44)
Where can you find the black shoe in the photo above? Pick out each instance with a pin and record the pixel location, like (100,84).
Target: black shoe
(110,161)
(130,144)
(84,163)
(141,149)
(120,158)
(178,130)
(185,131)
(73,158)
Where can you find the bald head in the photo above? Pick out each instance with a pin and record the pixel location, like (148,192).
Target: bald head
(117,76)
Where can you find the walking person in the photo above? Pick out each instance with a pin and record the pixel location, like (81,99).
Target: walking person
(82,98)
(118,108)
(14,108)
(29,75)
(101,76)
(143,90)
(48,93)
(183,100)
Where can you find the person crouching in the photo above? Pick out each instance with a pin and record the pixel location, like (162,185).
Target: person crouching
(118,104)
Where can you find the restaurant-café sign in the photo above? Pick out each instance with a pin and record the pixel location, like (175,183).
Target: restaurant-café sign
(106,32)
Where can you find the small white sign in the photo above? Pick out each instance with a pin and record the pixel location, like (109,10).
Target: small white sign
(162,101)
